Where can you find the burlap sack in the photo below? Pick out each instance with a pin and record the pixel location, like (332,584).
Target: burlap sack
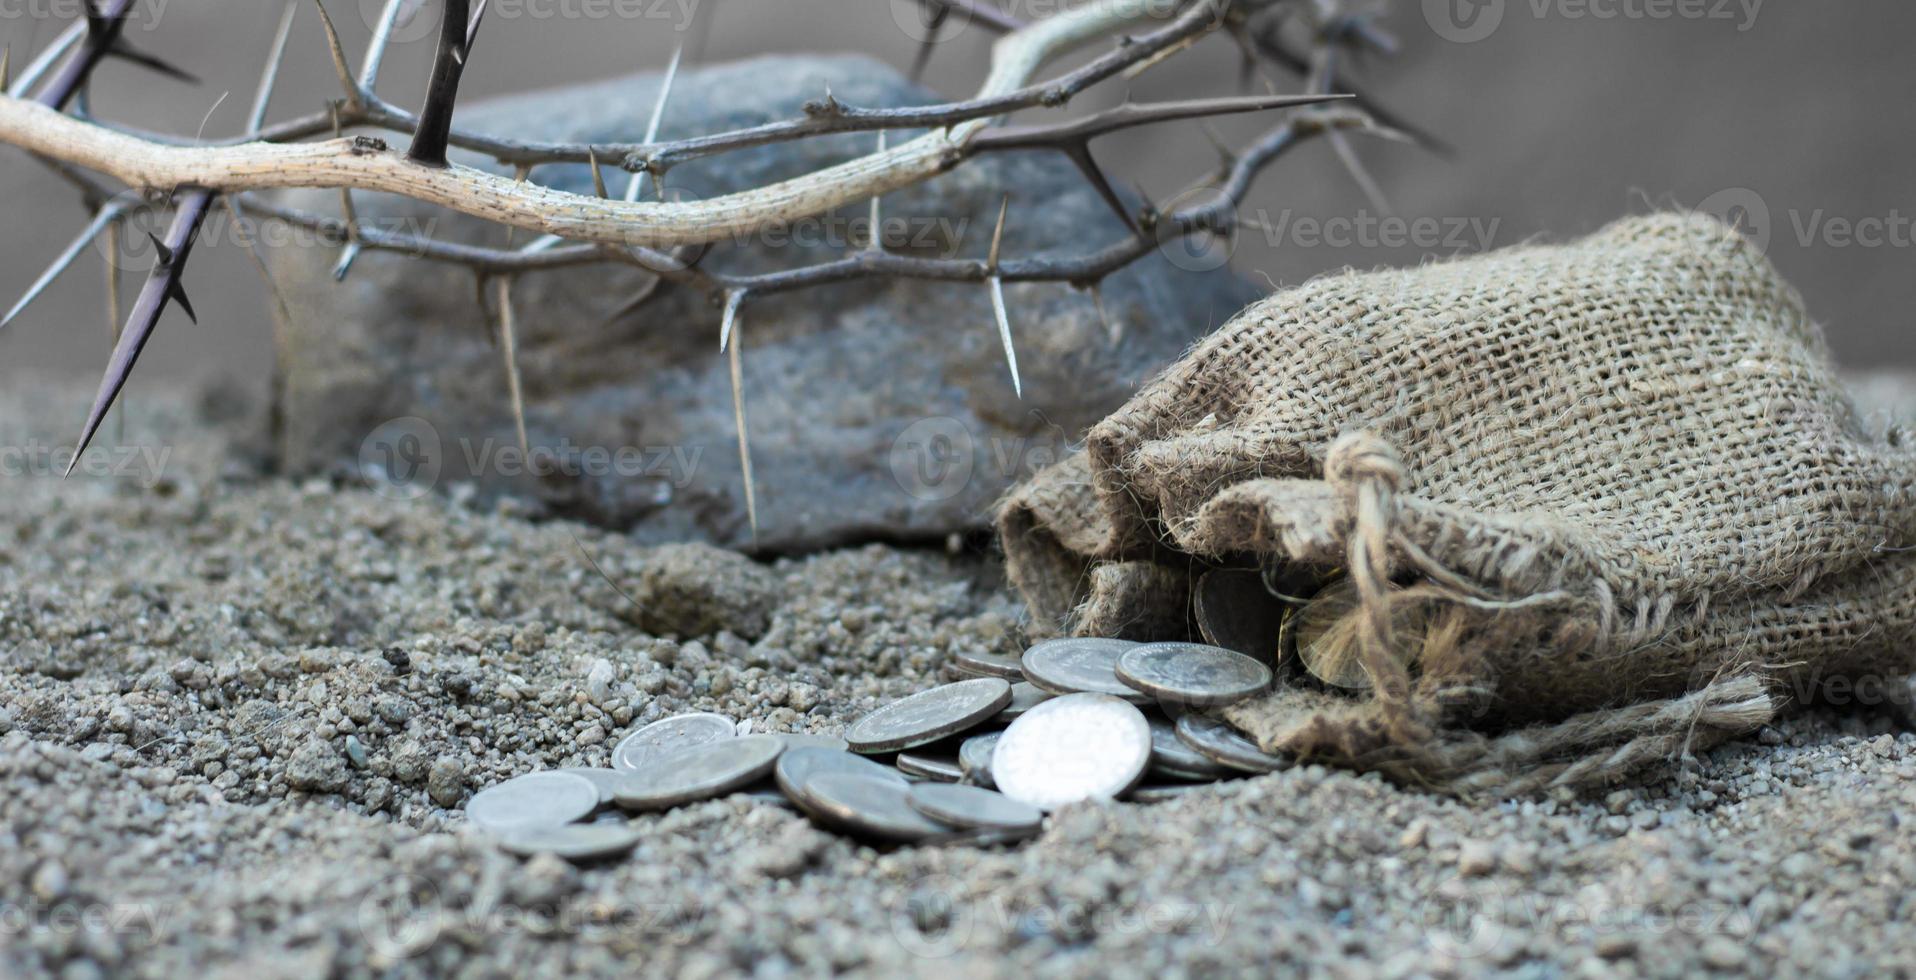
(1622,473)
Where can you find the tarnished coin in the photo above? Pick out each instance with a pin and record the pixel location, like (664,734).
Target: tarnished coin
(974,757)
(943,769)
(574,842)
(798,765)
(804,740)
(670,735)
(978,663)
(1235,611)
(607,780)
(1322,636)
(1084,665)
(536,799)
(928,716)
(1171,757)
(973,808)
(871,807)
(1072,748)
(1193,674)
(1225,745)
(699,772)
(1024,697)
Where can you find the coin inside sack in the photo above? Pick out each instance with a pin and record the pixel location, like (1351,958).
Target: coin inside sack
(1171,757)
(1072,748)
(978,663)
(607,780)
(941,769)
(1194,674)
(1081,665)
(538,799)
(1226,745)
(928,716)
(974,757)
(699,772)
(1235,611)
(973,808)
(1024,697)
(669,735)
(574,842)
(1322,636)
(869,806)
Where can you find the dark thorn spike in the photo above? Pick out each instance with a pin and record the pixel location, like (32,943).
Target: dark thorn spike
(1080,154)
(128,53)
(178,295)
(160,249)
(161,285)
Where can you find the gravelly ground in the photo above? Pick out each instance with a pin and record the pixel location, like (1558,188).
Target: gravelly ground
(240,716)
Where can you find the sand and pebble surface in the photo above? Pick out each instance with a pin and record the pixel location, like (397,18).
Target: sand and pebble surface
(239,717)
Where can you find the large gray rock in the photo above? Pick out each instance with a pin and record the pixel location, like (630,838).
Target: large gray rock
(879,410)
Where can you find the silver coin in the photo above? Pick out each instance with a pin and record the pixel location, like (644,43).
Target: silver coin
(928,716)
(1225,745)
(607,780)
(978,663)
(536,799)
(1084,665)
(804,740)
(1194,674)
(767,792)
(943,769)
(974,757)
(699,772)
(870,807)
(973,808)
(1024,697)
(1235,610)
(670,735)
(1171,757)
(798,766)
(1072,748)
(1162,792)
(574,842)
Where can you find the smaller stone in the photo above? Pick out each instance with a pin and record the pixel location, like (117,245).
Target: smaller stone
(316,768)
(446,782)
(1476,858)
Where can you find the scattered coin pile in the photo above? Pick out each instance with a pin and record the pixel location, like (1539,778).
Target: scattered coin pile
(982,759)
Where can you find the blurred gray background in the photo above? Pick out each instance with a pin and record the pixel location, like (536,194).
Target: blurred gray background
(1564,114)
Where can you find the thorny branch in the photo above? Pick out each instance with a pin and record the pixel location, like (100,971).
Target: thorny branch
(670,239)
